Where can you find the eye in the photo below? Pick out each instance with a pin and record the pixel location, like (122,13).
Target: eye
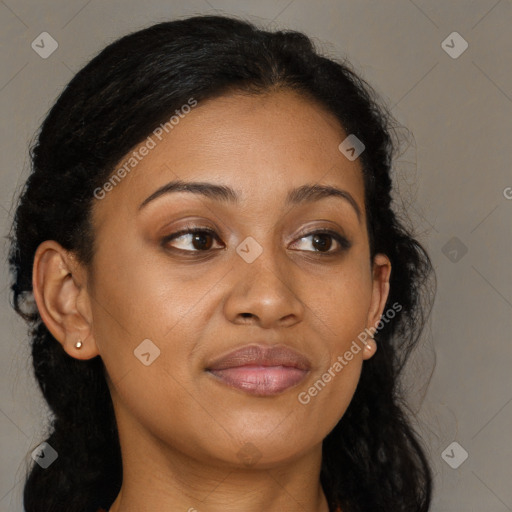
(200,238)
(322,241)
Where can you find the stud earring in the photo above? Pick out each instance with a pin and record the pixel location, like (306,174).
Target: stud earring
(78,344)
(370,346)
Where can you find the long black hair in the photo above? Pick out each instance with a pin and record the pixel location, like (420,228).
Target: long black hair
(373,459)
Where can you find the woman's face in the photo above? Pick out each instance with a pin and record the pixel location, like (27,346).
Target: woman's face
(164,310)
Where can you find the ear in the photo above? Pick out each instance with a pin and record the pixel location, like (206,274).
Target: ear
(380,292)
(60,291)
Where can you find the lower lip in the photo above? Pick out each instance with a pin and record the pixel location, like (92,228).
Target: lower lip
(261,380)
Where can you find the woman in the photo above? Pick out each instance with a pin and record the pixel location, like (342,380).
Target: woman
(224,298)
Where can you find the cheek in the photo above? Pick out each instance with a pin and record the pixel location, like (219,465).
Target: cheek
(340,318)
(145,294)
(340,313)
(148,315)
(144,322)
(340,303)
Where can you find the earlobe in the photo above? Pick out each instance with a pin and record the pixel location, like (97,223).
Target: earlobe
(370,347)
(59,292)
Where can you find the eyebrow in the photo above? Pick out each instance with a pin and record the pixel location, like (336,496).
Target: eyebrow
(223,193)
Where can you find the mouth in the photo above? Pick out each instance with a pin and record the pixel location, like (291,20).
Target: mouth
(261,370)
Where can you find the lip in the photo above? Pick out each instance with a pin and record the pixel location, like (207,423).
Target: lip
(261,370)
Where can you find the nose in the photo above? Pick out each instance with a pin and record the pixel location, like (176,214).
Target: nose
(265,292)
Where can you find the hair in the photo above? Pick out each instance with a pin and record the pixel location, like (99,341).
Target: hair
(373,460)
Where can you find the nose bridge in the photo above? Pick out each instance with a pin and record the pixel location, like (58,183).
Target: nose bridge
(261,251)
(264,284)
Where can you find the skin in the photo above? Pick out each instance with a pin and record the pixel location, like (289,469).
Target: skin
(182,432)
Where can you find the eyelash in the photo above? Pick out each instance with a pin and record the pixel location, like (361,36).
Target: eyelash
(344,244)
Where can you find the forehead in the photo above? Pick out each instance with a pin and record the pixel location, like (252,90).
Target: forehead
(260,145)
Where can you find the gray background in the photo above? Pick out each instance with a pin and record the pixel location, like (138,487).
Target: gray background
(454,177)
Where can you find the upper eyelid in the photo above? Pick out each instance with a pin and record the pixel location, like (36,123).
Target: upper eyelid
(195,229)
(187,228)
(190,230)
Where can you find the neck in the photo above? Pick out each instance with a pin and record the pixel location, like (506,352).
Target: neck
(161,478)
